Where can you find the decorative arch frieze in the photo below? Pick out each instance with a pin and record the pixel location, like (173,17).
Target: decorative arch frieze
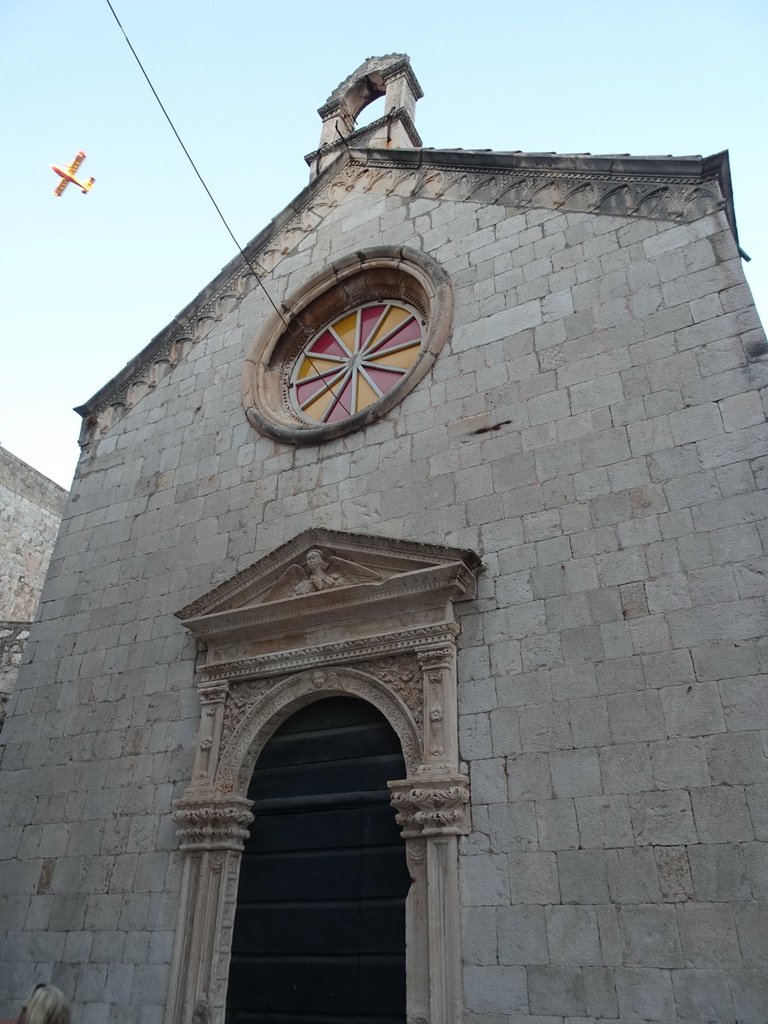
(262,709)
(348,639)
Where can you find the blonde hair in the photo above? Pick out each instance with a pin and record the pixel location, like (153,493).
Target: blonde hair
(46,1005)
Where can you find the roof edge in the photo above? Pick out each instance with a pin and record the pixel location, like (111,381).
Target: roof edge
(293,207)
(488,159)
(692,168)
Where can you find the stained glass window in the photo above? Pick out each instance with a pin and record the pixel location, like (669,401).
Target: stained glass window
(355,361)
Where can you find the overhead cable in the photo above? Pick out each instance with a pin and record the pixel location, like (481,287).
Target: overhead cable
(216,205)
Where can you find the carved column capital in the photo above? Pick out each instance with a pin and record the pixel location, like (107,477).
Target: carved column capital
(210,693)
(212,825)
(432,807)
(436,658)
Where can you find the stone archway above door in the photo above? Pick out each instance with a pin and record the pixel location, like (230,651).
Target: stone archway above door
(328,613)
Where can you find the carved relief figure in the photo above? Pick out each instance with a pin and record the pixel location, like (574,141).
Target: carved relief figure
(319,574)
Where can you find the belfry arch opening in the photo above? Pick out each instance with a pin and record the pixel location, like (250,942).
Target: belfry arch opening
(365,91)
(319,930)
(371,110)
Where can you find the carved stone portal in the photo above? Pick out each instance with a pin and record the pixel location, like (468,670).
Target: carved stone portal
(327,613)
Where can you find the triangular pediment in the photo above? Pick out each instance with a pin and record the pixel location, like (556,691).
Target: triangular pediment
(322,564)
(665,188)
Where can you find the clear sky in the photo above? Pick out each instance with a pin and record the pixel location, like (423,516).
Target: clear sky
(89,280)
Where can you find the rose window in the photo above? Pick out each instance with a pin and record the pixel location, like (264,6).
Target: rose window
(355,361)
(347,346)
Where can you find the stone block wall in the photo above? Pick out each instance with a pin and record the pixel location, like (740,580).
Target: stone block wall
(31,507)
(594,429)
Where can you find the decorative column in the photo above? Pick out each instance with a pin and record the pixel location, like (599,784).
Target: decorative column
(433,810)
(212,836)
(433,814)
(212,830)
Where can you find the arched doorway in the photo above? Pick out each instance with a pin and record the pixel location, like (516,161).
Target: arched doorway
(391,645)
(319,932)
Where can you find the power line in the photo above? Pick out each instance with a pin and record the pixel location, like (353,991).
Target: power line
(216,205)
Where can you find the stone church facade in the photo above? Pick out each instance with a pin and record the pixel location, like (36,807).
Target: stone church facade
(476,440)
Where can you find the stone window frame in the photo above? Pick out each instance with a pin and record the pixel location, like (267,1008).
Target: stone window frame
(397,273)
(249,686)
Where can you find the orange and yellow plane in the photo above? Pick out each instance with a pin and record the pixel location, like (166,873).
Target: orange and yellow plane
(68,174)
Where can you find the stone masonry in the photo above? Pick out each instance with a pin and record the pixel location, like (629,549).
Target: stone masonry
(31,507)
(595,429)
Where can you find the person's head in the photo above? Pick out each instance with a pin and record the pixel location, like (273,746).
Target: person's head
(315,560)
(46,1005)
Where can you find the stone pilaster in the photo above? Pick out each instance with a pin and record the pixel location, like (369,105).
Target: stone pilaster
(212,834)
(438,666)
(213,698)
(433,813)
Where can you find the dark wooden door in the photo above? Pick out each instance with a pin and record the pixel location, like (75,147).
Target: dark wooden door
(319,932)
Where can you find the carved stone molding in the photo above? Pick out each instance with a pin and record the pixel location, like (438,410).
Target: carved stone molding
(439,807)
(389,557)
(266,665)
(265,708)
(392,684)
(319,574)
(645,187)
(402,675)
(243,623)
(213,825)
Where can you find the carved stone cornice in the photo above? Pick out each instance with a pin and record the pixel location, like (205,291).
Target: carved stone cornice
(240,666)
(432,806)
(454,577)
(660,188)
(211,823)
(224,293)
(368,588)
(358,138)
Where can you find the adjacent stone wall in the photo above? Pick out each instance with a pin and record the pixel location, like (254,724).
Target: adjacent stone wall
(13,640)
(594,428)
(31,507)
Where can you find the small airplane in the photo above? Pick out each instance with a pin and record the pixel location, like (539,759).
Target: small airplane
(68,174)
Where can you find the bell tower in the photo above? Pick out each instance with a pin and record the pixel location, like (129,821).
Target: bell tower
(390,76)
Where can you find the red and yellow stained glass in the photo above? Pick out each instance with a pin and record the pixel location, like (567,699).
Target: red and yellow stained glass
(355,361)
